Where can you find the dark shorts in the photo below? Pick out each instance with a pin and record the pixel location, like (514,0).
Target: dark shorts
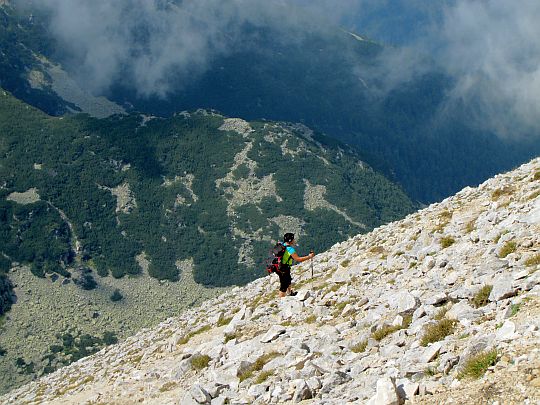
(285,278)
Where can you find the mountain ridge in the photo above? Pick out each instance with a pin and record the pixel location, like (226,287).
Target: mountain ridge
(328,80)
(366,329)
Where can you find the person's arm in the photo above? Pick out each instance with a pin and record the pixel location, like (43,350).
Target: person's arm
(303,258)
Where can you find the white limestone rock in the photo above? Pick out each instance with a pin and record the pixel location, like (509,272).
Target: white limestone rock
(403,301)
(273,333)
(386,393)
(502,288)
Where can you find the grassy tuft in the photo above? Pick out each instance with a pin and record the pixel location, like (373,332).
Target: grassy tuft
(224,321)
(229,336)
(501,192)
(514,309)
(200,361)
(447,241)
(168,386)
(481,297)
(386,330)
(430,371)
(188,337)
(359,347)
(263,376)
(476,366)
(311,319)
(537,175)
(470,226)
(509,247)
(441,313)
(345,263)
(533,195)
(258,365)
(438,331)
(533,260)
(377,250)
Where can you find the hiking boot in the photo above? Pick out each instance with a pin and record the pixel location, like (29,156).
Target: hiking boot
(293,293)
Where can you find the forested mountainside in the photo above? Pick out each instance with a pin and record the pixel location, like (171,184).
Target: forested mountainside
(97,193)
(328,79)
(197,193)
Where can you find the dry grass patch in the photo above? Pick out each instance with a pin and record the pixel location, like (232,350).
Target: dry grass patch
(533,260)
(536,175)
(509,247)
(444,219)
(533,196)
(188,337)
(441,313)
(311,319)
(359,347)
(386,330)
(500,192)
(470,226)
(258,365)
(263,376)
(345,263)
(377,250)
(168,386)
(447,241)
(476,366)
(481,298)
(224,321)
(200,361)
(229,336)
(438,331)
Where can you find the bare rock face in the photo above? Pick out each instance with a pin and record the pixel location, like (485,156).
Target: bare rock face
(391,316)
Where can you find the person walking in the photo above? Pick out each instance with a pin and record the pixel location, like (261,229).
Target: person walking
(285,279)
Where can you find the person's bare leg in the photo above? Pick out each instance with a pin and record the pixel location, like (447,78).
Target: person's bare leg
(282,294)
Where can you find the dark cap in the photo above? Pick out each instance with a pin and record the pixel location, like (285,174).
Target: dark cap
(288,237)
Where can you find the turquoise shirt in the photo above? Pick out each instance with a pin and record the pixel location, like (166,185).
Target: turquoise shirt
(287,256)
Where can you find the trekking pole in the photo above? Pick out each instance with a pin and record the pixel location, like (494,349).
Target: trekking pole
(311,251)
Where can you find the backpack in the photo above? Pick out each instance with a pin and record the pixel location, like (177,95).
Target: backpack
(275,259)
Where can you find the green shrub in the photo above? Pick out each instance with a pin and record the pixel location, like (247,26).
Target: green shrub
(116,295)
(481,298)
(477,365)
(438,331)
(200,361)
(447,241)
(509,247)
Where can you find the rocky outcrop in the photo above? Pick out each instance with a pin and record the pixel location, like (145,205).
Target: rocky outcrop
(389,317)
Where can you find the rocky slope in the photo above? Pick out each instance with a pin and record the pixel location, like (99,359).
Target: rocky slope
(394,315)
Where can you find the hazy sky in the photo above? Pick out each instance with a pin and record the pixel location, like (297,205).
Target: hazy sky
(490,47)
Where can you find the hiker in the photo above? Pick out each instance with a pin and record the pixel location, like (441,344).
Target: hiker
(284,272)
